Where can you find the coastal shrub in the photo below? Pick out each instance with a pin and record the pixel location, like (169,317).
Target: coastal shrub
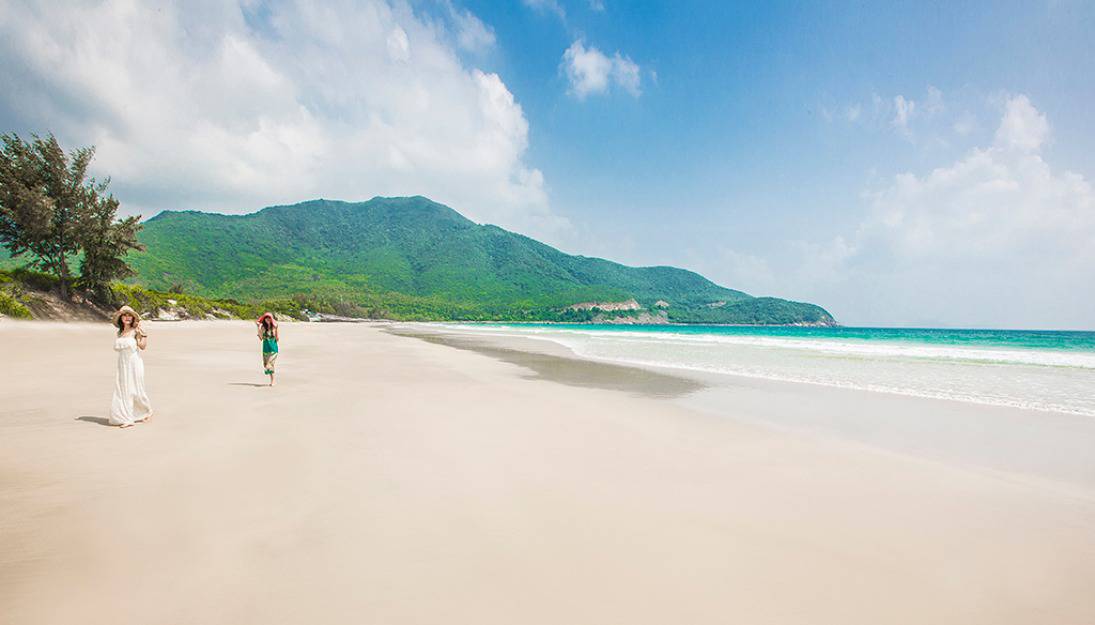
(15,282)
(11,307)
(150,302)
(34,280)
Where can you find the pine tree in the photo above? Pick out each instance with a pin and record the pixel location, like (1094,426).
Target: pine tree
(105,241)
(51,211)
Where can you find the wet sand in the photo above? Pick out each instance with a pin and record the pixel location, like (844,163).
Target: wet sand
(1053,449)
(388,479)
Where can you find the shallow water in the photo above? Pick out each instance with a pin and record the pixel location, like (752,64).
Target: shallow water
(1040,370)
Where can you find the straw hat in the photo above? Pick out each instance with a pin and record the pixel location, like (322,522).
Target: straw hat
(125,310)
(273,319)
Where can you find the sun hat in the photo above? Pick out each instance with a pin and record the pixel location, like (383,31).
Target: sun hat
(125,310)
(273,319)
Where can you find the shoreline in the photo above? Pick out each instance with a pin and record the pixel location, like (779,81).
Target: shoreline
(1030,364)
(610,323)
(939,429)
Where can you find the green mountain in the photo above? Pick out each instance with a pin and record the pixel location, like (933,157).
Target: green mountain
(414,258)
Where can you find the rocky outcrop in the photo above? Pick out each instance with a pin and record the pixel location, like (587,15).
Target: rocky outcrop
(643,318)
(630,304)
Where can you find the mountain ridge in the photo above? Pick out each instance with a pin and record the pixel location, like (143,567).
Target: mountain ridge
(411,257)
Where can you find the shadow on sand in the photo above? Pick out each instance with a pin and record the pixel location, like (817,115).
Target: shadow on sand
(571,370)
(95,420)
(248,384)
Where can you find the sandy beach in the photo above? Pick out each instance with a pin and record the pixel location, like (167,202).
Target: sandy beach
(389,479)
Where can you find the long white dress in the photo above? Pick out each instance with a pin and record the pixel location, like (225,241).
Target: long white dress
(130,403)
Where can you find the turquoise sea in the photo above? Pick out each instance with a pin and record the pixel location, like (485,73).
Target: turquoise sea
(1047,370)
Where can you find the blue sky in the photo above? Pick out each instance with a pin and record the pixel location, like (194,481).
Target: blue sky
(900,164)
(743,139)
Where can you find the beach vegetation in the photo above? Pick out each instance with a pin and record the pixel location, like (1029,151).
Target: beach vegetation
(156,304)
(22,286)
(10,306)
(55,214)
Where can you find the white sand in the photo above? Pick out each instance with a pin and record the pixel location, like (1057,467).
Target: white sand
(387,480)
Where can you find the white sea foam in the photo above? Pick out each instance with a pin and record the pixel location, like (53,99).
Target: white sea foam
(1047,358)
(1044,380)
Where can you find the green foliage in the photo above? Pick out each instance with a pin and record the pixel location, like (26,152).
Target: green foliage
(13,286)
(12,307)
(150,302)
(41,189)
(19,282)
(30,279)
(105,241)
(51,211)
(411,258)
(756,311)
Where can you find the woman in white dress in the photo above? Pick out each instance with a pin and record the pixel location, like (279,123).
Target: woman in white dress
(130,404)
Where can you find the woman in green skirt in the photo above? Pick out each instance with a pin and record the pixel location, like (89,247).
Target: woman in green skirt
(268,334)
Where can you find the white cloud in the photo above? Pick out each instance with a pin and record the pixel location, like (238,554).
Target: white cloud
(626,74)
(1023,127)
(904,115)
(592,72)
(597,5)
(471,33)
(587,70)
(232,109)
(903,112)
(399,47)
(547,6)
(964,125)
(997,238)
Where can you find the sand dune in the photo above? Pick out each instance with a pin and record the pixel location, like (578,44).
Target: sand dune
(391,480)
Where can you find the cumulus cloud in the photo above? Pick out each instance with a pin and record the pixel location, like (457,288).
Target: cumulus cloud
(1023,127)
(997,238)
(236,106)
(592,72)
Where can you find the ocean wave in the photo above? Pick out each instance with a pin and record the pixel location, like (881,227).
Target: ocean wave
(866,349)
(1040,380)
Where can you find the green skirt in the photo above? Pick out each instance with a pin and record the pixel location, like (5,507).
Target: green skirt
(269,355)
